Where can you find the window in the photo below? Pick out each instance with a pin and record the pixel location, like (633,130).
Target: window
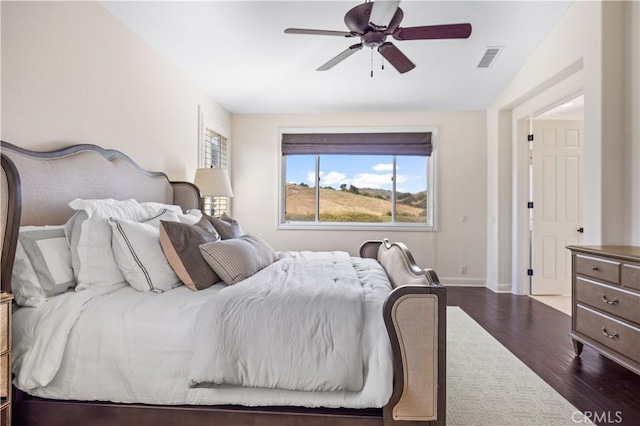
(214,152)
(346,179)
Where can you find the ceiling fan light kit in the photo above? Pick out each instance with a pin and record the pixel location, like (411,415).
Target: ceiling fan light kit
(373,22)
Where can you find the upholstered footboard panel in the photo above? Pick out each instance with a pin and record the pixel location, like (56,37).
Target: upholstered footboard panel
(415,317)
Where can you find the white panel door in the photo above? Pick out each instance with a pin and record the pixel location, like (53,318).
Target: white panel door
(557,200)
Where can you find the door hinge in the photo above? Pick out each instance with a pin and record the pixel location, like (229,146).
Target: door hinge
(530,205)
(529,138)
(530,272)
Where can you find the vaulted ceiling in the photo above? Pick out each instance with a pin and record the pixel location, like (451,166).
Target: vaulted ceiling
(238,52)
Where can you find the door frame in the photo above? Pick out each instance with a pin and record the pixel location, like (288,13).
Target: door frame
(556,95)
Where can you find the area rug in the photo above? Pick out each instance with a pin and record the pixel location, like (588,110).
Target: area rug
(488,385)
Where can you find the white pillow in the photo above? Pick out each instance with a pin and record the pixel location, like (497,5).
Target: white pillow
(152,207)
(89,236)
(42,266)
(137,250)
(191,217)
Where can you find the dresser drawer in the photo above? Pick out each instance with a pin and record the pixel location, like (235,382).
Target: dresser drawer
(620,337)
(4,327)
(602,269)
(631,276)
(623,304)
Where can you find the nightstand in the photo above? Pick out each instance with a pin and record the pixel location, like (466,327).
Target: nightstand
(5,358)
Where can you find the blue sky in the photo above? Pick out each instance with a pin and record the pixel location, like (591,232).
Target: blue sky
(373,171)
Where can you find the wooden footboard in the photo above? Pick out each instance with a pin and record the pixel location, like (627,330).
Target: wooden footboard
(415,317)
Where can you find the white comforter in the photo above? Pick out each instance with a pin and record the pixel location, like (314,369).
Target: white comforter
(296,325)
(121,345)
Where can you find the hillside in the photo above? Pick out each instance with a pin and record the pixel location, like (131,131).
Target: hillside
(419,199)
(369,205)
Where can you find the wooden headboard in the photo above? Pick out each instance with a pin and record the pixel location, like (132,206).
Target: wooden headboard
(37,187)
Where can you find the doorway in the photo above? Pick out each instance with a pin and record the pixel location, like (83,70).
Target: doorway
(556,191)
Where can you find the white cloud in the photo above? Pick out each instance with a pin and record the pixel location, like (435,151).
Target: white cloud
(311,177)
(371,180)
(375,181)
(333,178)
(360,180)
(383,167)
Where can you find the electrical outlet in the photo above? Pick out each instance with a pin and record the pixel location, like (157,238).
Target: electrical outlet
(463,269)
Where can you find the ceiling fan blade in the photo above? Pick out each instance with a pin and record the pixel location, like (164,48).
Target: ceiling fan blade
(382,12)
(430,32)
(318,32)
(396,58)
(341,57)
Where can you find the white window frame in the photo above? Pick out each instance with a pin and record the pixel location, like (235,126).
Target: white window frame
(432,184)
(206,121)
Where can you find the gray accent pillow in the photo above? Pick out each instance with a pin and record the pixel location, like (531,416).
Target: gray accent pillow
(180,243)
(226,226)
(239,258)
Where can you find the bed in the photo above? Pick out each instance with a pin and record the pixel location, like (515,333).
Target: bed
(37,188)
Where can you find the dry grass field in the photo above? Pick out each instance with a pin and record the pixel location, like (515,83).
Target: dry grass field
(345,206)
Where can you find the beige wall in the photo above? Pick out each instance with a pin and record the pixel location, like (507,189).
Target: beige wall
(73,73)
(461,166)
(559,56)
(597,40)
(499,183)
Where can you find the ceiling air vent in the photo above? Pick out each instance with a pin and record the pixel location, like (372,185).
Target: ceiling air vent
(489,56)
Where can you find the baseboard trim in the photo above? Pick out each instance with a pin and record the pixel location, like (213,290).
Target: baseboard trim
(463,282)
(499,287)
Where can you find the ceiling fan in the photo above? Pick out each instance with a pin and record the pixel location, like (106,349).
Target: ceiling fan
(373,21)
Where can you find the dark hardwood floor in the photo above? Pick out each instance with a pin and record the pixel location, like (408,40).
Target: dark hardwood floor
(538,335)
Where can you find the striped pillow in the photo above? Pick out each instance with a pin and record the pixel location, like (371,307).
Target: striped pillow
(239,258)
(137,250)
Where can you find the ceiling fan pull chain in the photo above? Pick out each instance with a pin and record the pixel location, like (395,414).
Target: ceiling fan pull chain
(382,62)
(372,62)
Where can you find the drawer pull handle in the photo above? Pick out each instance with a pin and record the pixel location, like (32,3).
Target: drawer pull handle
(610,336)
(609,302)
(595,268)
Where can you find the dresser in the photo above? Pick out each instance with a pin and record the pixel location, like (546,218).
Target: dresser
(5,358)
(606,302)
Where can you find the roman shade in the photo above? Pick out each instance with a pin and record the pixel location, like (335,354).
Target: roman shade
(357,143)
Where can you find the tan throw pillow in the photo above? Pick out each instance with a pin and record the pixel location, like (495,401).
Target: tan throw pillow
(226,226)
(239,258)
(180,242)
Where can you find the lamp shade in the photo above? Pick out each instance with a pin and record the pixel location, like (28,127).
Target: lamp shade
(213,182)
